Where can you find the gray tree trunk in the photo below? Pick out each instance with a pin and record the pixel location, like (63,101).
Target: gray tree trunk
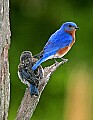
(4,66)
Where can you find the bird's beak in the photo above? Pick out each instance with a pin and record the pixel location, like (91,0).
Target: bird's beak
(76,27)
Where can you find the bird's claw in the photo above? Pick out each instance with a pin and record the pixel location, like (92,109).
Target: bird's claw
(64,60)
(55,61)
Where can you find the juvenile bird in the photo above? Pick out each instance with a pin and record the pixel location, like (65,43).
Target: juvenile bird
(58,44)
(27,75)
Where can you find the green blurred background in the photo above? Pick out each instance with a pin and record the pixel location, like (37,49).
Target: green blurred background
(69,91)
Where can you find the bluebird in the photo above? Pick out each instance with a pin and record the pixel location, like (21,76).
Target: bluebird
(58,44)
(27,75)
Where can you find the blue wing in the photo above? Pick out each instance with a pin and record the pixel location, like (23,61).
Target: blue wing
(57,41)
(27,77)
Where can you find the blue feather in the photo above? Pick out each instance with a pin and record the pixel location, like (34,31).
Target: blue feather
(33,90)
(38,63)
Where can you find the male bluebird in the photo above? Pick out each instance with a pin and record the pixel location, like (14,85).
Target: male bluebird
(27,75)
(59,43)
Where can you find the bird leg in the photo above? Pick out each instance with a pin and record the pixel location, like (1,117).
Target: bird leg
(55,60)
(64,60)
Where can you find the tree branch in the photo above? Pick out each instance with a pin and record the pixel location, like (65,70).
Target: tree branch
(4,66)
(28,103)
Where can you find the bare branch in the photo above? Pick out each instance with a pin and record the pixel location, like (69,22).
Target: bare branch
(28,103)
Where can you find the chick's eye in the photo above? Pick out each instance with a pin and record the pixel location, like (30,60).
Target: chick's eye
(70,26)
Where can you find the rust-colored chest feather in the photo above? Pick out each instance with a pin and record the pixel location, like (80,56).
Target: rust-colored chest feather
(63,51)
(72,33)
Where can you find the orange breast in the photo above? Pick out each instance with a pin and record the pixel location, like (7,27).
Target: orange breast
(63,51)
(72,33)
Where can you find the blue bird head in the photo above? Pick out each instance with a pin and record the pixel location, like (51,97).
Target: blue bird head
(69,26)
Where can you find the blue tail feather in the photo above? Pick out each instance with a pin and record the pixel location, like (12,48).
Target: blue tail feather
(44,58)
(33,90)
(38,63)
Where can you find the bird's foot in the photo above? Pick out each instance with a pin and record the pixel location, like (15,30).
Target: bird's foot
(55,61)
(64,60)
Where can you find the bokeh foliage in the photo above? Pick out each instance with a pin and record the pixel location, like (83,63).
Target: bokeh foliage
(32,22)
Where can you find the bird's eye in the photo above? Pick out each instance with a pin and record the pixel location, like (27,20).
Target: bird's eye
(70,26)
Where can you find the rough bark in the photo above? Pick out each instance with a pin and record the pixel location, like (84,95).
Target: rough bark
(4,65)
(28,103)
